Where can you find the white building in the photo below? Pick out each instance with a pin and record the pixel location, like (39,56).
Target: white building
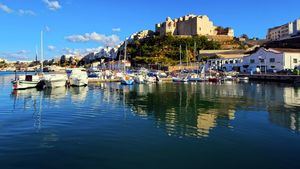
(284,31)
(225,64)
(271,60)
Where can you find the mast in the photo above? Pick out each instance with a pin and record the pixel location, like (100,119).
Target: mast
(42,52)
(36,54)
(180,58)
(195,46)
(187,56)
(195,53)
(125,55)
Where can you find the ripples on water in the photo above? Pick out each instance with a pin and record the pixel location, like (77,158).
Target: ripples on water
(114,126)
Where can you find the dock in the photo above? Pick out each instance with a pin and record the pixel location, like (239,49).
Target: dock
(275,78)
(96,80)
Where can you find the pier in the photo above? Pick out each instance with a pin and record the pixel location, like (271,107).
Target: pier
(272,77)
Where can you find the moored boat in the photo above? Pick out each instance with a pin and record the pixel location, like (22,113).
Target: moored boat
(26,82)
(127,80)
(180,79)
(194,78)
(55,80)
(78,78)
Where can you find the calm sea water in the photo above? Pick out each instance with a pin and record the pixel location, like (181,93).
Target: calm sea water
(251,125)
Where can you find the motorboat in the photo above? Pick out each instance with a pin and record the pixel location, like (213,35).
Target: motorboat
(127,80)
(78,77)
(194,78)
(55,80)
(180,79)
(26,82)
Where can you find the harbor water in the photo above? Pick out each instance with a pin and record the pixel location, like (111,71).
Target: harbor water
(168,125)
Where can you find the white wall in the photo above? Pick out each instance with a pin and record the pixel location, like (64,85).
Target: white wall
(289,60)
(266,55)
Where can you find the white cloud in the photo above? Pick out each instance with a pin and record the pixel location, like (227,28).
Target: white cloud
(20,12)
(6,8)
(111,40)
(82,52)
(52,4)
(70,51)
(51,48)
(18,55)
(26,12)
(116,29)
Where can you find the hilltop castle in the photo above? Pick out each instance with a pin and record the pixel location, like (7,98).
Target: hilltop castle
(191,25)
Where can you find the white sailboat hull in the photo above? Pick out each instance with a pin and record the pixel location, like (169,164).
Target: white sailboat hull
(195,79)
(177,79)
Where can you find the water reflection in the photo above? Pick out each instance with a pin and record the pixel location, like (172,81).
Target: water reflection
(196,109)
(182,110)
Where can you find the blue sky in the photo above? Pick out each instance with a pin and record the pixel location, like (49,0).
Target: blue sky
(84,25)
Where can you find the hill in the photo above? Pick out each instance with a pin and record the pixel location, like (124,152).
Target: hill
(166,49)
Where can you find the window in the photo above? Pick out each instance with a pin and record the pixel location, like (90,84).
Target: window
(252,61)
(295,60)
(272,60)
(262,60)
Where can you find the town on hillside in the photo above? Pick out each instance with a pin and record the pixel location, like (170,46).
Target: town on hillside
(187,43)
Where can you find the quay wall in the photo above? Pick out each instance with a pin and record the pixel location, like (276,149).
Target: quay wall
(277,78)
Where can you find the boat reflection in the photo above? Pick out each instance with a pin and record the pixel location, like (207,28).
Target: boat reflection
(195,110)
(182,110)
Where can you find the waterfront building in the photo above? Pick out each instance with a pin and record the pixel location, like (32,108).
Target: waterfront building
(191,25)
(285,31)
(225,64)
(226,60)
(274,60)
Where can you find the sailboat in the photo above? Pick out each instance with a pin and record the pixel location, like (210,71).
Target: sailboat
(126,79)
(29,81)
(194,77)
(180,77)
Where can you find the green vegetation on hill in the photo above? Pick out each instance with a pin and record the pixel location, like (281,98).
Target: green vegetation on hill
(3,64)
(166,50)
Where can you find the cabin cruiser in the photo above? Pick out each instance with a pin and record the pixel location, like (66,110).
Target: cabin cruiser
(26,82)
(55,80)
(78,77)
